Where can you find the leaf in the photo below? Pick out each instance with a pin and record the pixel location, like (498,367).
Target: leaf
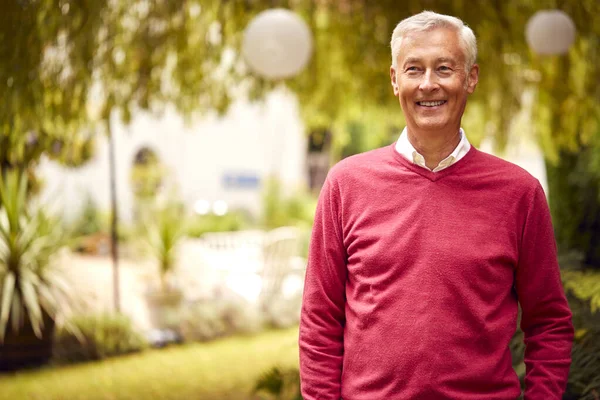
(21,199)
(3,225)
(31,302)
(7,295)
(16,312)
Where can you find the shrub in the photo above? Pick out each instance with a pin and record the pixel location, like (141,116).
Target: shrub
(90,231)
(222,316)
(34,289)
(232,221)
(202,322)
(162,232)
(280,209)
(582,286)
(584,379)
(97,337)
(90,219)
(281,384)
(582,291)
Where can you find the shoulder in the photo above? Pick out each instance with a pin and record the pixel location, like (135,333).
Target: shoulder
(506,172)
(510,184)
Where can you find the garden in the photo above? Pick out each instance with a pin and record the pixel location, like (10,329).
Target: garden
(101,307)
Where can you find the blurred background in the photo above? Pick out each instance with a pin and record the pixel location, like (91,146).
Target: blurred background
(161,160)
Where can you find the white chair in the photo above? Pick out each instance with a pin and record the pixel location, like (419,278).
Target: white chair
(232,251)
(282,276)
(266,269)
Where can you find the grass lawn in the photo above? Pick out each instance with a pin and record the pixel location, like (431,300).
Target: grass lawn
(225,369)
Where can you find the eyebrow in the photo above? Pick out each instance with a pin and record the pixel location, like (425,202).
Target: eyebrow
(446,60)
(411,60)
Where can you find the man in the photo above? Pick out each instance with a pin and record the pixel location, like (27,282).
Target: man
(421,252)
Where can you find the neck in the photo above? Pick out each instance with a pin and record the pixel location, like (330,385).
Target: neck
(434,147)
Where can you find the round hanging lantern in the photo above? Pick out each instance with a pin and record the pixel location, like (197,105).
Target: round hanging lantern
(277,44)
(550,32)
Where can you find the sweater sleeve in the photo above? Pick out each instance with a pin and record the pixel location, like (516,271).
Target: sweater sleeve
(323,317)
(546,319)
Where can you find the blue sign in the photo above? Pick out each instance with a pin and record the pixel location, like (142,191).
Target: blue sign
(240,181)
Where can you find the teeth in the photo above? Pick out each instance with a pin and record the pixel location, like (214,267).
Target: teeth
(432,103)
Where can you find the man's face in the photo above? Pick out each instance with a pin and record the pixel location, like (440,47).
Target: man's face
(431,81)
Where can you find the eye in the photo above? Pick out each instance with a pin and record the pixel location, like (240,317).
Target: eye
(411,69)
(445,68)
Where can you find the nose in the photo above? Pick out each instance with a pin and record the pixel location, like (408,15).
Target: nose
(429,82)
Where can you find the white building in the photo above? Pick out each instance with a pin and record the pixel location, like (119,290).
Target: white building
(214,159)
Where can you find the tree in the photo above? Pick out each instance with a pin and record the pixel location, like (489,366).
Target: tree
(70,66)
(66,67)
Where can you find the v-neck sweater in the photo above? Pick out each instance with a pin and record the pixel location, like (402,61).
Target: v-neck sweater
(414,279)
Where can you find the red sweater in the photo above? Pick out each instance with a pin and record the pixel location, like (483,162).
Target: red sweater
(413,279)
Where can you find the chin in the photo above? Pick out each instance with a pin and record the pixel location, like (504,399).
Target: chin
(432,126)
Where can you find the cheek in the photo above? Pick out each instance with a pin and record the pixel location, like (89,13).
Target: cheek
(405,93)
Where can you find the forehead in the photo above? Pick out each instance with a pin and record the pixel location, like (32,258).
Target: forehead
(431,44)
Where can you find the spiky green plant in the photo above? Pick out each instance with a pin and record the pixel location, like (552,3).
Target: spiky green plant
(31,284)
(163,230)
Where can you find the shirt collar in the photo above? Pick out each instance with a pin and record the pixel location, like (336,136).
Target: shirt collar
(407,150)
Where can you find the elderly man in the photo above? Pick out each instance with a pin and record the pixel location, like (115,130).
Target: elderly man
(421,252)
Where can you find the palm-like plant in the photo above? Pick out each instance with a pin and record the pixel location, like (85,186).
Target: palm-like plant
(32,291)
(164,230)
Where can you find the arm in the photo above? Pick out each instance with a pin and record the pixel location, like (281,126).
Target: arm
(322,319)
(546,320)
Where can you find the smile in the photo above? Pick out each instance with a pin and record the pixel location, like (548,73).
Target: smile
(431,103)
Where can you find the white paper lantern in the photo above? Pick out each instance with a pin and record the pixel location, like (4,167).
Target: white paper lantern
(277,44)
(550,32)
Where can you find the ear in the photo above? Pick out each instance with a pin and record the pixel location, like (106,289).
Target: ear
(473,78)
(393,79)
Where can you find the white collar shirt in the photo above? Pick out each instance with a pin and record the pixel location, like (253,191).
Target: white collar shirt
(407,150)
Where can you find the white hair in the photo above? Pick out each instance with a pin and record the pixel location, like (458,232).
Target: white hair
(428,20)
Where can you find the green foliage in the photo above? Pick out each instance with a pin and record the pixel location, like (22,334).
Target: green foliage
(567,113)
(163,228)
(65,67)
(584,285)
(98,337)
(144,54)
(584,379)
(350,83)
(90,220)
(45,73)
(582,291)
(363,137)
(574,196)
(365,129)
(585,366)
(280,384)
(232,221)
(89,232)
(517,350)
(30,241)
(279,209)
